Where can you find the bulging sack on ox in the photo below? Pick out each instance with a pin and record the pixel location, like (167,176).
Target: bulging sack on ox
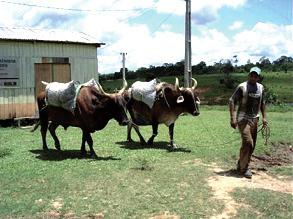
(144,91)
(61,94)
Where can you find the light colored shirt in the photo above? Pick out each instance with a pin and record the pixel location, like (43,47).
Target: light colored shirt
(249,97)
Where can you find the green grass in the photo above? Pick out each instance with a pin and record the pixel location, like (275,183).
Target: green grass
(263,203)
(279,83)
(127,180)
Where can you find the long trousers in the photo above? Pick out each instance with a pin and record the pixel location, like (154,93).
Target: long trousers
(248,131)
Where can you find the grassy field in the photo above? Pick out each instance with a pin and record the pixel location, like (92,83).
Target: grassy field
(133,181)
(212,92)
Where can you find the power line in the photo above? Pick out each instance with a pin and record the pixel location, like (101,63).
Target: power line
(72,9)
(162,22)
(143,12)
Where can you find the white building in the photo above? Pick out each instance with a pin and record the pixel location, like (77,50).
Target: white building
(28,56)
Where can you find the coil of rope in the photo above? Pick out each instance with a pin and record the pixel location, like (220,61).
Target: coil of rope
(265,132)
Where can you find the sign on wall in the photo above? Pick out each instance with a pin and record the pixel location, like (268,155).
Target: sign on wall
(9,71)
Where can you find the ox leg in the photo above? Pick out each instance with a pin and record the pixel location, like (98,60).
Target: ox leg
(155,133)
(82,148)
(136,128)
(171,134)
(129,127)
(44,128)
(90,143)
(52,129)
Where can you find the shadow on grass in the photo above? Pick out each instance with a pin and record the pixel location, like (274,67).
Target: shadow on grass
(160,145)
(4,152)
(229,173)
(54,155)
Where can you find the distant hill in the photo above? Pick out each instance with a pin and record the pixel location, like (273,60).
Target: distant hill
(279,86)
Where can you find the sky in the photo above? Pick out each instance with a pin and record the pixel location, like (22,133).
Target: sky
(152,32)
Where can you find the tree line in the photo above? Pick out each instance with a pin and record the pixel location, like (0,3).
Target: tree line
(225,66)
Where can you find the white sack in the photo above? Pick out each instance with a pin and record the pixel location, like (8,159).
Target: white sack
(61,94)
(90,83)
(144,91)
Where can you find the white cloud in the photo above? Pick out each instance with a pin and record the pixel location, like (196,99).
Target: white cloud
(168,6)
(211,46)
(265,39)
(144,49)
(121,34)
(202,11)
(236,25)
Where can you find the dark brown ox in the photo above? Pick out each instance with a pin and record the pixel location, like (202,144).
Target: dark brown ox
(94,108)
(171,101)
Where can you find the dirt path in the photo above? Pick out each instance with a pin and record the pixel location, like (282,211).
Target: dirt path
(224,182)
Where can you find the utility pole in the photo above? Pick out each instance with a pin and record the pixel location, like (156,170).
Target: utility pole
(188,54)
(123,65)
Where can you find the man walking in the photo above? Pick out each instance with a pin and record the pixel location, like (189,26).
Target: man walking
(249,96)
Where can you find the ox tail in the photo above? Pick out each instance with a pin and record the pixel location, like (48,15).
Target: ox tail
(35,126)
(45,83)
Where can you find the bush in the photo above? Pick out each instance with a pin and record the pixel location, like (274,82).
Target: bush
(271,96)
(229,82)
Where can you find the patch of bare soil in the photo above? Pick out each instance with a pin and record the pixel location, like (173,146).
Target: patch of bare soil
(218,100)
(165,215)
(224,182)
(281,154)
(200,92)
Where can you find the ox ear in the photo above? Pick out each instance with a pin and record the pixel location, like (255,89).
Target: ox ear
(180,99)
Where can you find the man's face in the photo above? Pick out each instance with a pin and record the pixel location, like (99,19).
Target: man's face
(253,78)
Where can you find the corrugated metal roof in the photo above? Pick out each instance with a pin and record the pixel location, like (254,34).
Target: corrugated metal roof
(49,35)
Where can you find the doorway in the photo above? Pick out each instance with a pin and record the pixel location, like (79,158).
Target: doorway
(50,72)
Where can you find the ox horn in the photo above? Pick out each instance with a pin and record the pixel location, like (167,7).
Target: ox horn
(101,89)
(177,84)
(194,83)
(124,86)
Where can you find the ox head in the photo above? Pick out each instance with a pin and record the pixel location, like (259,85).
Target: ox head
(188,98)
(117,106)
(119,110)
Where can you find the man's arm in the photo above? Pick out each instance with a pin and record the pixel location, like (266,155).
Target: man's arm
(264,113)
(263,109)
(233,121)
(237,95)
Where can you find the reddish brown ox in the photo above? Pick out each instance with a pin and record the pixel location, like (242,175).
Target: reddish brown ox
(94,108)
(171,101)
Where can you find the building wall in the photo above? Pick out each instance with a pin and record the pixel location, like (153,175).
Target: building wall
(19,101)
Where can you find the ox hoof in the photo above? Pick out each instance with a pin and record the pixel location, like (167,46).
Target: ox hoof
(93,156)
(130,140)
(173,146)
(83,153)
(150,142)
(58,147)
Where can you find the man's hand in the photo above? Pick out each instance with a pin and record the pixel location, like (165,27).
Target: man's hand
(264,123)
(233,123)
